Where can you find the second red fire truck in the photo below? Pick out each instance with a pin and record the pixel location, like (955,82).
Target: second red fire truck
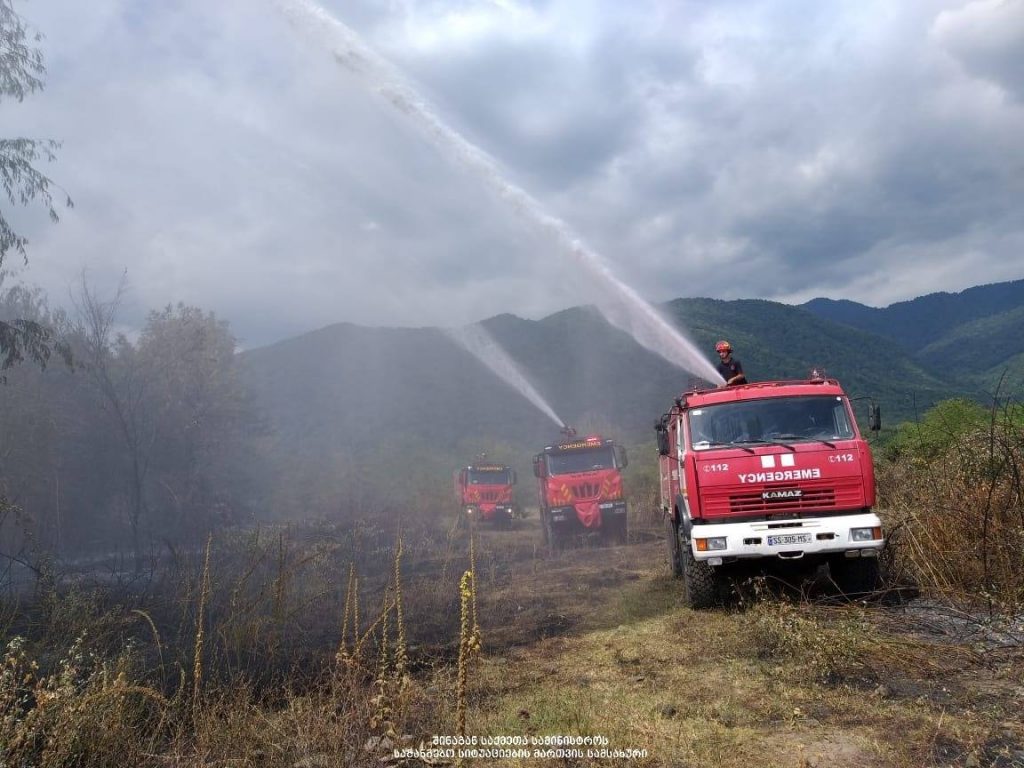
(580,488)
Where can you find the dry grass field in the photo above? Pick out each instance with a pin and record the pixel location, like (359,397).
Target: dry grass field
(310,656)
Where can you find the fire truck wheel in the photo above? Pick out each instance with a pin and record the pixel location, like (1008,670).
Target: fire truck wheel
(855,577)
(556,542)
(700,581)
(675,561)
(613,534)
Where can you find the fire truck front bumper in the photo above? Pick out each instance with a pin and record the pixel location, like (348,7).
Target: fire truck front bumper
(567,519)
(500,512)
(857,535)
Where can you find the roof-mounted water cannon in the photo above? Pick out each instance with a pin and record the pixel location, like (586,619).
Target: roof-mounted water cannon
(696,385)
(568,432)
(818,374)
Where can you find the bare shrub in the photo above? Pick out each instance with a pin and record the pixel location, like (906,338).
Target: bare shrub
(954,503)
(86,711)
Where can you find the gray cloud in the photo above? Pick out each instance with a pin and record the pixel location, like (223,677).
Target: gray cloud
(863,150)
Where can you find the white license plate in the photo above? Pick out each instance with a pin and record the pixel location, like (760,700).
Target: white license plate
(786,539)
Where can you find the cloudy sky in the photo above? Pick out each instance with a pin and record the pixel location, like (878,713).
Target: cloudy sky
(229,154)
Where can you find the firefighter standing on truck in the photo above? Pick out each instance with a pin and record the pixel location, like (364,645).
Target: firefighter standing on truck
(728,366)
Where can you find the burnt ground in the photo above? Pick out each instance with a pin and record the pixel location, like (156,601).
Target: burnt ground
(596,640)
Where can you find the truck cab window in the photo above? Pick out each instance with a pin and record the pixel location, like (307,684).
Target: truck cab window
(581,461)
(792,418)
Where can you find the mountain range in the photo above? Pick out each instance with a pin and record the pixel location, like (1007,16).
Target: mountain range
(347,388)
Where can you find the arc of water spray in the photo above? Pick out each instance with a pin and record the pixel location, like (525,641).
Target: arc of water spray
(621,305)
(476,340)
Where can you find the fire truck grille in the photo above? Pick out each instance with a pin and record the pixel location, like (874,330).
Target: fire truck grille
(756,504)
(586,491)
(490,496)
(782,499)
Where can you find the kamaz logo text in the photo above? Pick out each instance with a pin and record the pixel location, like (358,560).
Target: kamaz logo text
(790,493)
(786,474)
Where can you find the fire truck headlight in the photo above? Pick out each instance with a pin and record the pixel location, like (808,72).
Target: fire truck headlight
(470,511)
(865,534)
(711,544)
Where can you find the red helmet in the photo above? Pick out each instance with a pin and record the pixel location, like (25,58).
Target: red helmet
(723,346)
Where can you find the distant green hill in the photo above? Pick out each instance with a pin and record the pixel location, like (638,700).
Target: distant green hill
(347,388)
(973,339)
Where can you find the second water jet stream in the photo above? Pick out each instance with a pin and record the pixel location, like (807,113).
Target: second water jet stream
(477,341)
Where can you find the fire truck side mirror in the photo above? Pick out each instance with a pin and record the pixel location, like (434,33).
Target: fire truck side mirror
(538,467)
(513,476)
(621,459)
(662,434)
(874,417)
(462,477)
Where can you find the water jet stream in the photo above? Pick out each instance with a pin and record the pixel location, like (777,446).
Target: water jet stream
(620,304)
(476,340)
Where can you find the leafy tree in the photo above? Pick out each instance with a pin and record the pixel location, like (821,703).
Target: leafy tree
(21,73)
(941,427)
(176,400)
(200,413)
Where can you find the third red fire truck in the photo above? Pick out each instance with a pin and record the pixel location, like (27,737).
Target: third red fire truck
(484,492)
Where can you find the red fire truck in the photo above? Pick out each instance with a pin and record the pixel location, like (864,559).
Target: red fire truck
(580,488)
(484,492)
(767,473)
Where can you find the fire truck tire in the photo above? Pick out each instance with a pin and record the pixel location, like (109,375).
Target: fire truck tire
(556,542)
(700,581)
(614,533)
(855,577)
(675,560)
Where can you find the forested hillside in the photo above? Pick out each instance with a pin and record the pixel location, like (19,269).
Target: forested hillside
(346,387)
(974,338)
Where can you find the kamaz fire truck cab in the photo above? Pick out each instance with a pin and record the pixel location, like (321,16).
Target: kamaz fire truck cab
(769,472)
(484,492)
(580,489)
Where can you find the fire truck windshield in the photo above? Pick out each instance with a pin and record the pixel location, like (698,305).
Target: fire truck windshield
(489,477)
(780,419)
(566,462)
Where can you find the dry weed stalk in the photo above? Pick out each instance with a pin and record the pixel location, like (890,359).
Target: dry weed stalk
(280,587)
(343,653)
(197,659)
(401,650)
(381,720)
(475,628)
(469,646)
(156,636)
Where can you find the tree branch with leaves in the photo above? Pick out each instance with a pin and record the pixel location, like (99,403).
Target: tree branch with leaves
(21,73)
